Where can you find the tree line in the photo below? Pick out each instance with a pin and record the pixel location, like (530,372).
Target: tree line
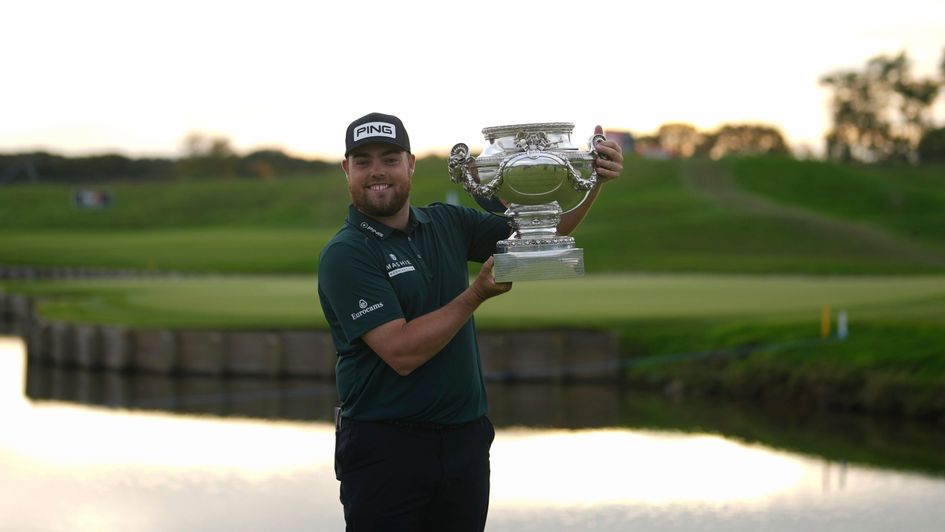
(880,113)
(685,141)
(204,157)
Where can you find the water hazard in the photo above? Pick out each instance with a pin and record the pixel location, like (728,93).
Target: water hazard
(95,451)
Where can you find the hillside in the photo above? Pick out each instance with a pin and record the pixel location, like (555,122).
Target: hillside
(753,215)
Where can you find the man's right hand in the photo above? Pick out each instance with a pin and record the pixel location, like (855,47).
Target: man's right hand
(485,286)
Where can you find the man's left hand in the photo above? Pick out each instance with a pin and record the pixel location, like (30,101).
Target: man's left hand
(610,163)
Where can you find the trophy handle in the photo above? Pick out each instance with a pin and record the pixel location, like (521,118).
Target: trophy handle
(460,173)
(586,184)
(578,182)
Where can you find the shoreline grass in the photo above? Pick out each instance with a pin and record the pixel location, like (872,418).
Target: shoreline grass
(592,301)
(892,362)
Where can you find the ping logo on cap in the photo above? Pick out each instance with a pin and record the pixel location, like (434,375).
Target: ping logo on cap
(375,129)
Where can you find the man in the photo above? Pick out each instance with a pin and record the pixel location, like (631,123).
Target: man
(412,439)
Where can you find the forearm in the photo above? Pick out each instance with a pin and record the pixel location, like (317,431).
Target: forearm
(407,345)
(570,220)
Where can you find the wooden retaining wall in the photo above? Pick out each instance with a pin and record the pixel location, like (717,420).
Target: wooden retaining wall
(556,355)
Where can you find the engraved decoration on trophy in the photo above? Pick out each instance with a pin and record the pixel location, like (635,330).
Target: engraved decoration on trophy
(531,174)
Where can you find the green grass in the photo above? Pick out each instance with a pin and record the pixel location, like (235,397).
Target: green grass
(294,201)
(594,301)
(855,221)
(215,249)
(909,201)
(650,219)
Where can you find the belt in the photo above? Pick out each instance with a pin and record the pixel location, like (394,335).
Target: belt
(408,424)
(427,425)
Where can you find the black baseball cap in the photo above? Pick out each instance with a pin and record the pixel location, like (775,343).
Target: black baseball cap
(376,127)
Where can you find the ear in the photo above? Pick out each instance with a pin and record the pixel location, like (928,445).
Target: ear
(344,166)
(411,163)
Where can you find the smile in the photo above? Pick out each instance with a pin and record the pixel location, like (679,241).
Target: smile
(379,187)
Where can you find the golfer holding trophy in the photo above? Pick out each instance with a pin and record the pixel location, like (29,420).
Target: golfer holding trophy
(412,435)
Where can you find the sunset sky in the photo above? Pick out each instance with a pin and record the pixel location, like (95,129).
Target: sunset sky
(136,77)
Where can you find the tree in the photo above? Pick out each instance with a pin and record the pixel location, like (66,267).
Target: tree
(744,139)
(679,140)
(270,163)
(879,113)
(207,157)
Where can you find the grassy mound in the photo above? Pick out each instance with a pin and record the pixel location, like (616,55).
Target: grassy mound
(760,215)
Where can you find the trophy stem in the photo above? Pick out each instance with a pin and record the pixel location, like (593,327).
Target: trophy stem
(534,228)
(535,250)
(534,221)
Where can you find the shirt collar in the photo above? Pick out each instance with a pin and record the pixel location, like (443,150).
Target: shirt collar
(371,226)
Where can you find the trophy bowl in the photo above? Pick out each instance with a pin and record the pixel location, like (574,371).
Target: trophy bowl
(532,174)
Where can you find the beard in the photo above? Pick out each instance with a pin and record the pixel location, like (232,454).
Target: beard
(380,205)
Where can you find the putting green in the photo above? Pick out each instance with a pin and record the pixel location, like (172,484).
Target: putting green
(605,301)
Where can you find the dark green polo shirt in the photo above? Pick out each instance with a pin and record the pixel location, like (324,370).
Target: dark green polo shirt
(370,274)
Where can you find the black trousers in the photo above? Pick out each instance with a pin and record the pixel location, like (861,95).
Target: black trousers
(413,477)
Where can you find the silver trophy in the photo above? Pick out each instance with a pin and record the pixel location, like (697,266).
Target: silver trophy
(532,174)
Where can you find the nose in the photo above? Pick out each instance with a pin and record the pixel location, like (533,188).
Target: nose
(376,169)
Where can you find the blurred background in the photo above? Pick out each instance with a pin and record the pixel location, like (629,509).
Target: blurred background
(757,344)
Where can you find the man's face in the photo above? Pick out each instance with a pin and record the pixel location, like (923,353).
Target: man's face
(379,178)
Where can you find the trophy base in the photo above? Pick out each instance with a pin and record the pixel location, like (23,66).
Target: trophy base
(538,265)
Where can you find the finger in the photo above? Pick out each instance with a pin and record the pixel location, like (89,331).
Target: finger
(608,163)
(613,146)
(487,266)
(605,176)
(608,169)
(614,154)
(608,173)
(598,130)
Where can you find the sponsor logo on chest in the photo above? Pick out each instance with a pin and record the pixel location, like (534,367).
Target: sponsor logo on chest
(397,266)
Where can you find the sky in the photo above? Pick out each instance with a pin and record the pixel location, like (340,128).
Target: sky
(136,77)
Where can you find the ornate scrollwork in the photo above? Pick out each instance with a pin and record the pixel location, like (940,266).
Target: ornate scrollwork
(578,182)
(532,242)
(458,161)
(532,141)
(459,168)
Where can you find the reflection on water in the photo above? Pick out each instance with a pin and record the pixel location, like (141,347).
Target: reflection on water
(565,458)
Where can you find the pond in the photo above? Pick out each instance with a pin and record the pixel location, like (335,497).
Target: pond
(95,451)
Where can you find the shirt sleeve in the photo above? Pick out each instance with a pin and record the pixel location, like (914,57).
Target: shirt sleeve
(485,230)
(356,289)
